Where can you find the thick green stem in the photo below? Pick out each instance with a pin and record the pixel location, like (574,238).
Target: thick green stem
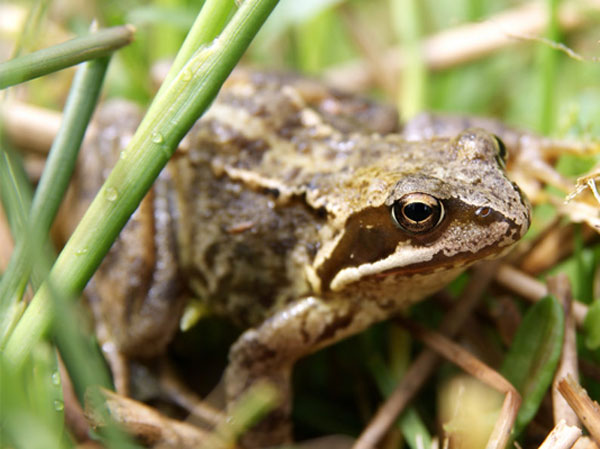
(167,121)
(207,26)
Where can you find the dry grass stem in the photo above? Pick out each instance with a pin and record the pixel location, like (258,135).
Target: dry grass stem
(562,436)
(466,42)
(507,318)
(414,379)
(149,426)
(586,409)
(584,442)
(560,287)
(30,126)
(553,245)
(579,211)
(521,283)
(420,370)
(472,365)
(531,289)
(367,44)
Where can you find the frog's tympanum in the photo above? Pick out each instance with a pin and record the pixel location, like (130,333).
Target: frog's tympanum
(305,216)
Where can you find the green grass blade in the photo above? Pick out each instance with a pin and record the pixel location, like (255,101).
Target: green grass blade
(406,16)
(591,326)
(548,66)
(16,194)
(57,57)
(53,184)
(32,26)
(534,355)
(32,404)
(79,352)
(167,121)
(77,113)
(16,198)
(387,376)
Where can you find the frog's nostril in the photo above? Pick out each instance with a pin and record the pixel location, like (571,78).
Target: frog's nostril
(483,212)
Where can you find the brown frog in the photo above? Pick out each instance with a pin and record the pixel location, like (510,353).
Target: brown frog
(304,215)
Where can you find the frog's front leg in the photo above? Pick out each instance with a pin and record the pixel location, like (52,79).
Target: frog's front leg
(269,352)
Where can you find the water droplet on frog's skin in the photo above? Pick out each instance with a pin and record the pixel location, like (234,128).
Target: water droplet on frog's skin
(59,406)
(123,154)
(56,378)
(157,138)
(111,194)
(81,251)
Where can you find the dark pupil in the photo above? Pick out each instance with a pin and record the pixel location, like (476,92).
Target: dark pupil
(417,211)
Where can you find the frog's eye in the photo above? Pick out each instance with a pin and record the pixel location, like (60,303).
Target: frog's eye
(417,212)
(501,150)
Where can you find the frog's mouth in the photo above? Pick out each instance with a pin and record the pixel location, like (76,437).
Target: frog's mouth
(442,262)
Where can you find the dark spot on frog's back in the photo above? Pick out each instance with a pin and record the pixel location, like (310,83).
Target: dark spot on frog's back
(288,128)
(282,246)
(274,192)
(249,152)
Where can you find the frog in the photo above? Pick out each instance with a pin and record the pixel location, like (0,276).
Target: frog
(302,213)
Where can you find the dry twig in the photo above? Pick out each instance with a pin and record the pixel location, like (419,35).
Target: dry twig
(559,286)
(30,126)
(562,436)
(584,442)
(466,42)
(418,373)
(586,409)
(454,353)
(531,289)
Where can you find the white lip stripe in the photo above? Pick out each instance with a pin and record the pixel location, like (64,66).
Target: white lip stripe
(408,256)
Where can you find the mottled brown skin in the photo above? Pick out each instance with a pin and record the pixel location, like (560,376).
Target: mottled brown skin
(276,211)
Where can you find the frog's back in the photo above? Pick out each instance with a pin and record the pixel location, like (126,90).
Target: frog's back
(246,232)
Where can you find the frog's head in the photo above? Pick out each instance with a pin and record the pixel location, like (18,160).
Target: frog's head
(444,204)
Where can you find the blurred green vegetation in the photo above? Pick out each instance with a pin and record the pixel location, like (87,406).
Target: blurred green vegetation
(529,85)
(312,36)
